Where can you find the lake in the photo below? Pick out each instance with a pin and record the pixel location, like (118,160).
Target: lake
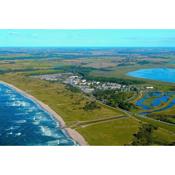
(160,74)
(24,122)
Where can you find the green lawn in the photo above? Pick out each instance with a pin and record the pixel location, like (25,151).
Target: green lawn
(117,132)
(163,137)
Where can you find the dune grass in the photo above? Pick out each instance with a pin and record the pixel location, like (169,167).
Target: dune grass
(69,105)
(66,103)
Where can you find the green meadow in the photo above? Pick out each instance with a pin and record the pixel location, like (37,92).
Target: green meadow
(103,125)
(69,105)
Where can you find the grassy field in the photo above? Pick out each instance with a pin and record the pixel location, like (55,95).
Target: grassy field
(118,132)
(70,105)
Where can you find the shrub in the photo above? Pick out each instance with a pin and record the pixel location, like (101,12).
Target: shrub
(91,106)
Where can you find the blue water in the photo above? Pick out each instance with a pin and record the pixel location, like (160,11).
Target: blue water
(161,74)
(160,98)
(155,102)
(24,122)
(140,104)
(170,105)
(159,101)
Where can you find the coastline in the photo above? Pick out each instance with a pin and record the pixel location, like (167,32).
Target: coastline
(71,132)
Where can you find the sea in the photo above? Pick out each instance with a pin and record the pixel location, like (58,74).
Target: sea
(23,122)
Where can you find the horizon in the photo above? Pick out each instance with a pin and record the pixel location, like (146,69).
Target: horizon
(98,38)
(95,47)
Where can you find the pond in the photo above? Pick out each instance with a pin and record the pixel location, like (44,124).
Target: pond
(153,100)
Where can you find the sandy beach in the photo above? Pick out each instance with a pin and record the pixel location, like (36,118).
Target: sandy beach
(71,132)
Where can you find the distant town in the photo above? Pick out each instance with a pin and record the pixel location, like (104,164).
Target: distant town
(88,86)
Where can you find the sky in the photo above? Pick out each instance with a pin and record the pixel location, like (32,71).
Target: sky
(87,38)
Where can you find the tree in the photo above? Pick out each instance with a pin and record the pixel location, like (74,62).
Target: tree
(145,135)
(91,106)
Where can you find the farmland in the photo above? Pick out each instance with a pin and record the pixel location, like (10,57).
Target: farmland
(103,120)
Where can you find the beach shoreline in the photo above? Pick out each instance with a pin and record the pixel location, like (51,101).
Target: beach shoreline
(71,132)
